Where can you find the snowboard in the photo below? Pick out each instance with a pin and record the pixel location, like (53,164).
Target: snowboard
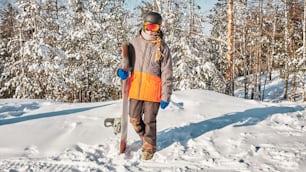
(125,102)
(120,125)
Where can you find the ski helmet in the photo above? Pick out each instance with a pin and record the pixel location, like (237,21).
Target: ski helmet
(153,17)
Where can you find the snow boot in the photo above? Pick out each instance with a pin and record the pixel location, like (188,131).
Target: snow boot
(148,151)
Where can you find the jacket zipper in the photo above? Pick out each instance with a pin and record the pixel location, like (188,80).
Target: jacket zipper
(140,81)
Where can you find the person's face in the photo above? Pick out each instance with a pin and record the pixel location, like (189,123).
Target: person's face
(150,32)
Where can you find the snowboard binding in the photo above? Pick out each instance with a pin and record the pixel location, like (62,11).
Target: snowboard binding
(115,123)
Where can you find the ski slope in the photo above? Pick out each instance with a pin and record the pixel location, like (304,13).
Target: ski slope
(200,131)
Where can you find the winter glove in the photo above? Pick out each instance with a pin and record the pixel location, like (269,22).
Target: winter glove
(164,104)
(122,74)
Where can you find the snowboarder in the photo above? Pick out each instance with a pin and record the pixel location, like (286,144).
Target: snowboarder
(150,82)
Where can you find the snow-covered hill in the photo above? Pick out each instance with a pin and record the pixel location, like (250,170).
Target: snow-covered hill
(200,131)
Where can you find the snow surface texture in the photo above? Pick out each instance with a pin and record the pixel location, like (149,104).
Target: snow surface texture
(200,131)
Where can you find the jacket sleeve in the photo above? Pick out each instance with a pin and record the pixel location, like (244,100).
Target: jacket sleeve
(166,75)
(130,54)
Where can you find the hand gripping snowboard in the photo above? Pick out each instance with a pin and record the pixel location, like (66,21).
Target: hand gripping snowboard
(120,124)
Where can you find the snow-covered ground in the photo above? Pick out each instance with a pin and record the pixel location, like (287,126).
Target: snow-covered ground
(200,131)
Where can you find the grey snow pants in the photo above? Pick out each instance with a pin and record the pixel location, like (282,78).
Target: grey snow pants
(143,118)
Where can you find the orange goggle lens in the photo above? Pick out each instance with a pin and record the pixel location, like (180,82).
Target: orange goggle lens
(151,27)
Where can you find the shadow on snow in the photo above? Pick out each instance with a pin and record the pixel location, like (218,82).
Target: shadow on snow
(246,118)
(47,115)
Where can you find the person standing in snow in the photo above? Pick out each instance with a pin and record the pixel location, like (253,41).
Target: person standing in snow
(150,83)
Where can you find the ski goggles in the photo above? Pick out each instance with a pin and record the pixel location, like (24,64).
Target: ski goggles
(151,27)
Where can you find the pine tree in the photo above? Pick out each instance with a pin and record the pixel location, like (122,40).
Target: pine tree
(7,20)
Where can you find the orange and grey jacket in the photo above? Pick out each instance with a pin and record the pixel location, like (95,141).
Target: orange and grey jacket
(150,80)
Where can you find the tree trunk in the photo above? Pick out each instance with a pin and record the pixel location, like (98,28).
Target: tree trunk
(191,16)
(293,69)
(245,54)
(273,52)
(245,61)
(286,72)
(304,50)
(259,56)
(158,6)
(229,55)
